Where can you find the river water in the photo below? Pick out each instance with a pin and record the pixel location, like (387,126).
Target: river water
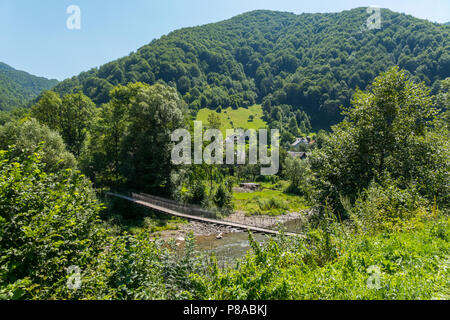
(235,245)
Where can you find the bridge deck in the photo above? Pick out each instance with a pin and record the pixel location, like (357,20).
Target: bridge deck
(200,219)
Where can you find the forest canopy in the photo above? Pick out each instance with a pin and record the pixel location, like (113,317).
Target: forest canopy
(17,88)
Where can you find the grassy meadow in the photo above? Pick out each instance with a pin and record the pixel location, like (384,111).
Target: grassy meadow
(270,200)
(250,118)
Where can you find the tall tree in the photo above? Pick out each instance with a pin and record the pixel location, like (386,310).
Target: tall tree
(214,121)
(77,114)
(154,112)
(388,132)
(48,110)
(102,160)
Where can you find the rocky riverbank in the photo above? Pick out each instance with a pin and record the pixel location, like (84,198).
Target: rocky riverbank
(205,229)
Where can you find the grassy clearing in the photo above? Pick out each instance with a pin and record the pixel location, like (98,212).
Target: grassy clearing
(271,200)
(250,118)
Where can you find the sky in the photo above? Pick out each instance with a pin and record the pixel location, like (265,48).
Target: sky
(34,36)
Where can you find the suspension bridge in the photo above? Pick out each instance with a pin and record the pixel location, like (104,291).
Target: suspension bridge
(196,213)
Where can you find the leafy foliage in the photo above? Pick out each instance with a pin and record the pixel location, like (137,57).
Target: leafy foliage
(408,265)
(388,207)
(388,132)
(71,116)
(131,141)
(298,172)
(47,224)
(27,135)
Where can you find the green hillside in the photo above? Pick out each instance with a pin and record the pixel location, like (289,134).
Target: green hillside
(310,62)
(19,87)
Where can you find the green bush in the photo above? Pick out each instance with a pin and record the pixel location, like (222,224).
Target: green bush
(27,135)
(48,222)
(390,130)
(272,204)
(198,193)
(223,197)
(389,207)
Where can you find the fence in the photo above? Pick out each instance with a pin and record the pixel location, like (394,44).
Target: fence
(192,210)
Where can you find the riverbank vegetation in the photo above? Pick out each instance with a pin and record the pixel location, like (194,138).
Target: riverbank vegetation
(378,183)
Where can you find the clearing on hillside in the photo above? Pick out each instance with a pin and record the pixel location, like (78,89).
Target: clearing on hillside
(245,118)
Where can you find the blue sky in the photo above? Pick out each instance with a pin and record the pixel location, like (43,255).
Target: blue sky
(34,36)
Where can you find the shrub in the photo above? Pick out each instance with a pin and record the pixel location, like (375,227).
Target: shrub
(271,206)
(48,222)
(389,207)
(223,198)
(198,193)
(297,171)
(27,135)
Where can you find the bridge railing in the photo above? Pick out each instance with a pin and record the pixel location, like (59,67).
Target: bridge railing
(268,223)
(262,222)
(173,205)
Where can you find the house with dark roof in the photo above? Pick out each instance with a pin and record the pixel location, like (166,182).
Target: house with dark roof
(299,155)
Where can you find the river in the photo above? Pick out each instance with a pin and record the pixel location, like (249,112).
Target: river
(235,245)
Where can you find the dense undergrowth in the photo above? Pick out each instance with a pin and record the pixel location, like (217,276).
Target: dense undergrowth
(389,265)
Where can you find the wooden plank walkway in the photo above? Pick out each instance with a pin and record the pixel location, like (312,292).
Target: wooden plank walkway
(200,219)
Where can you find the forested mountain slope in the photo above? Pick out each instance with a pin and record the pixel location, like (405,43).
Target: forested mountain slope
(19,87)
(311,62)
